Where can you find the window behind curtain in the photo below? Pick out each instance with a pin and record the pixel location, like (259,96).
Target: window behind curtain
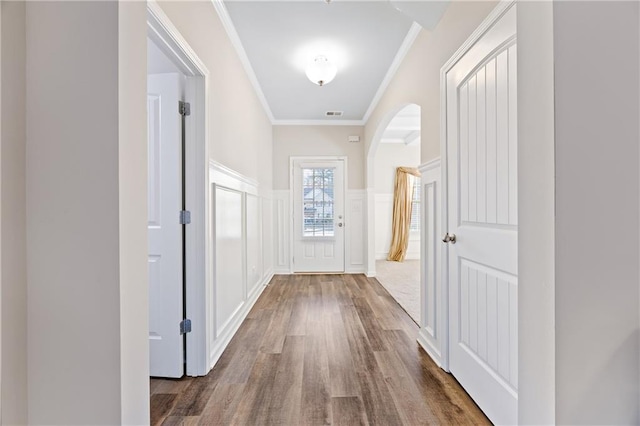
(415,206)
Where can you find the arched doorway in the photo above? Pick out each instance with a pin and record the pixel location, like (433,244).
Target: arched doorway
(395,144)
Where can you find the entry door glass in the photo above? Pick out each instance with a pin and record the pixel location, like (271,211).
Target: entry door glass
(318,200)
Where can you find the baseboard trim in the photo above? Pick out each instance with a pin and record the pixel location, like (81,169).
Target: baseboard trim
(353,271)
(232,327)
(431,350)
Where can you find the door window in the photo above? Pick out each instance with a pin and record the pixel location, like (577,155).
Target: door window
(318,202)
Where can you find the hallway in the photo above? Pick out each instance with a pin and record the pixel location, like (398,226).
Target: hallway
(319,349)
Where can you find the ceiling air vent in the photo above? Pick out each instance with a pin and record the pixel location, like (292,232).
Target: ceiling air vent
(333,113)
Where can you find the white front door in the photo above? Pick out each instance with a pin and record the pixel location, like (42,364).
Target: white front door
(165,232)
(482,214)
(318,215)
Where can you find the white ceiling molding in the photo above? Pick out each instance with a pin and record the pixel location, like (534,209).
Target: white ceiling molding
(318,123)
(393,140)
(404,123)
(412,34)
(244,59)
(412,137)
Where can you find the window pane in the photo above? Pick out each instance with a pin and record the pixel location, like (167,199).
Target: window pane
(415,207)
(317,196)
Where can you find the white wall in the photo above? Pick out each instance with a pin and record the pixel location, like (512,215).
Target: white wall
(597,142)
(13,232)
(388,158)
(301,141)
(536,207)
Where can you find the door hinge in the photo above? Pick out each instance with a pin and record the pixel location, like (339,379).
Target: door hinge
(185,326)
(184,108)
(185,217)
(293,260)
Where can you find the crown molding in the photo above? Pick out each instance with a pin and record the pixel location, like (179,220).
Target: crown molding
(223,14)
(406,45)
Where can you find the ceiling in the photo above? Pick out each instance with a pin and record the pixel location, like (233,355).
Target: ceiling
(365,39)
(404,128)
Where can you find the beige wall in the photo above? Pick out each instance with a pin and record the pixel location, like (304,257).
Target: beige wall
(240,134)
(317,141)
(14,278)
(418,77)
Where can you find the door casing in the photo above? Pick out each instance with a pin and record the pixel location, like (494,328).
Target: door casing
(166,36)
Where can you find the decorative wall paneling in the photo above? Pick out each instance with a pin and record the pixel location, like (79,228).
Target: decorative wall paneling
(242,247)
(355,223)
(432,335)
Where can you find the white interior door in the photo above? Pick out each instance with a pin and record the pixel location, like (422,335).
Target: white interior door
(318,216)
(483,216)
(165,232)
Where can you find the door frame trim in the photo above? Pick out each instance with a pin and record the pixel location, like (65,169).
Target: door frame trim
(319,158)
(493,17)
(166,36)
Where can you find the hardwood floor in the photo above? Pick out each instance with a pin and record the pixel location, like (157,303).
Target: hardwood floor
(316,350)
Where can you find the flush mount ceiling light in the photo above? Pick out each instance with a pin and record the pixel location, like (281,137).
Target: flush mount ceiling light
(321,71)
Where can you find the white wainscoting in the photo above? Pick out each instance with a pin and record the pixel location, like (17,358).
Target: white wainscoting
(356,227)
(432,322)
(242,246)
(355,222)
(281,229)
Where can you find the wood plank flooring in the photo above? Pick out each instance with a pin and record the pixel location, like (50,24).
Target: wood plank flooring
(319,350)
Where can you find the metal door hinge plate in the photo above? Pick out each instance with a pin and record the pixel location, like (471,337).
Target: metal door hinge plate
(185,326)
(184,108)
(185,217)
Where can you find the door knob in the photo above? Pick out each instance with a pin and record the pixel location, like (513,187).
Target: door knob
(449,238)
(339,225)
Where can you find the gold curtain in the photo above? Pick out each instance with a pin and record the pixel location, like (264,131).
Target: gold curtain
(402,205)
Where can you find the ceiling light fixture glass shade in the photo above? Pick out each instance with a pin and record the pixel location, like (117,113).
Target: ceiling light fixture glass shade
(321,71)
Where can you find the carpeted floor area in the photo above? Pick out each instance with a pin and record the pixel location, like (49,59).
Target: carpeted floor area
(402,280)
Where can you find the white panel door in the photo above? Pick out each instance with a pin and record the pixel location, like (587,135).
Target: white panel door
(318,216)
(165,232)
(483,216)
